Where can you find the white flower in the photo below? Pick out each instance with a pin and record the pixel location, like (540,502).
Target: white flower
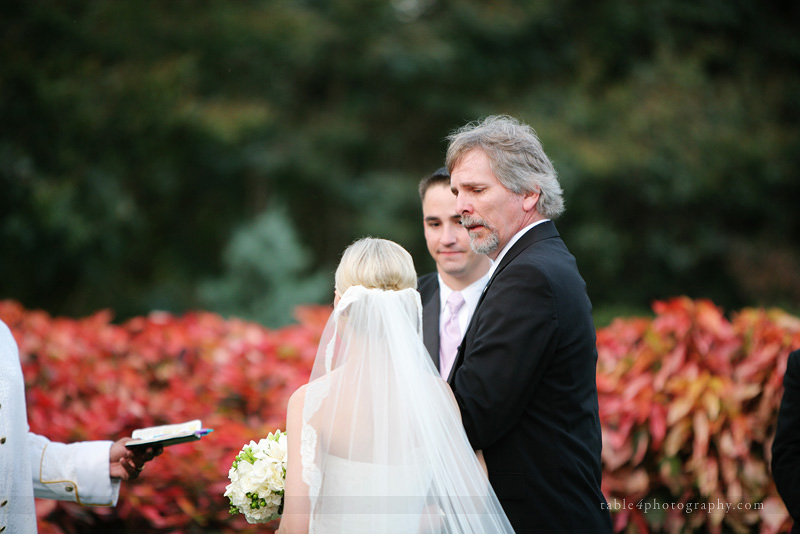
(258,477)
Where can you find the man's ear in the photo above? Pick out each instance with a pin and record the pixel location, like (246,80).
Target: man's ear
(530,200)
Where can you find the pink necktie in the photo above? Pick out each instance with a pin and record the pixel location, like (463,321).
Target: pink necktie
(451,335)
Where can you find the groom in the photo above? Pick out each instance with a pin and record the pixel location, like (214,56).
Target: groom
(450,294)
(524,376)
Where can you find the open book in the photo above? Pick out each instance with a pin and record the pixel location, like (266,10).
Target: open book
(166,435)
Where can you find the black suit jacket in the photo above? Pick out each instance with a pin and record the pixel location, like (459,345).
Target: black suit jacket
(428,287)
(525,380)
(786,447)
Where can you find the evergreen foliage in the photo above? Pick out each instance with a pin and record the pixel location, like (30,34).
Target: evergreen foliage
(137,136)
(266,273)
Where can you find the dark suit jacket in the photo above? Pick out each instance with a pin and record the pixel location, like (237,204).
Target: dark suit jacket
(525,380)
(786,447)
(428,287)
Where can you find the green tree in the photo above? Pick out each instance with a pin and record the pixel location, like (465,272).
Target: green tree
(137,136)
(266,273)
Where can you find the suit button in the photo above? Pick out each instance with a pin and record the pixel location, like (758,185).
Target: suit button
(2,440)
(69,488)
(5,502)
(2,528)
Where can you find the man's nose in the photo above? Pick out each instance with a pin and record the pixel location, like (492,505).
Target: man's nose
(462,206)
(449,234)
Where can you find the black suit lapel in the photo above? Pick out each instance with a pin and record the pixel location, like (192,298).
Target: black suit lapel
(541,231)
(429,291)
(430,327)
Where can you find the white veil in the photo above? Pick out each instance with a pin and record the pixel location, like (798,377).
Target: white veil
(382,445)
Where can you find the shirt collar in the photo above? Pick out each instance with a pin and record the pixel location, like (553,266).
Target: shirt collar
(471,293)
(516,237)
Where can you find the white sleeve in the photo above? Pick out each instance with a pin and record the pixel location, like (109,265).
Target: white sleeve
(77,472)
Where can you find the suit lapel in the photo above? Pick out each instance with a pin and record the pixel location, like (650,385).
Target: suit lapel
(430,320)
(541,231)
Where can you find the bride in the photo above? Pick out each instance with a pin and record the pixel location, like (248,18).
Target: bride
(375,438)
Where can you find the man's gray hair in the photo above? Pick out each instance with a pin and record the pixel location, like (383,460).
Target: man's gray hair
(516,157)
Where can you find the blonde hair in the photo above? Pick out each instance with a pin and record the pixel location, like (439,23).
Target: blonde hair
(375,264)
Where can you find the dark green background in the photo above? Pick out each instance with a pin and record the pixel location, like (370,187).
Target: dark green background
(221,154)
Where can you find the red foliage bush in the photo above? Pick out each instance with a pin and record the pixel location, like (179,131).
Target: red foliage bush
(688,404)
(91,379)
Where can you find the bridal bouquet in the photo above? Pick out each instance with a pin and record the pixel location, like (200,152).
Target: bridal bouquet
(257,476)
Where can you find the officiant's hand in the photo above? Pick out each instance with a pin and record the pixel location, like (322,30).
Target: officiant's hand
(127,464)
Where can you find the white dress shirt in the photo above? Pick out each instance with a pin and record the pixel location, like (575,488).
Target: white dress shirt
(33,466)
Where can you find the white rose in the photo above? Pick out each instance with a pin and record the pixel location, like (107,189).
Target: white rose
(233,475)
(236,494)
(275,480)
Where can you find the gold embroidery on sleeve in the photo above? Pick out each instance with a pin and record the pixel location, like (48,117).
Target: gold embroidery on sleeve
(74,484)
